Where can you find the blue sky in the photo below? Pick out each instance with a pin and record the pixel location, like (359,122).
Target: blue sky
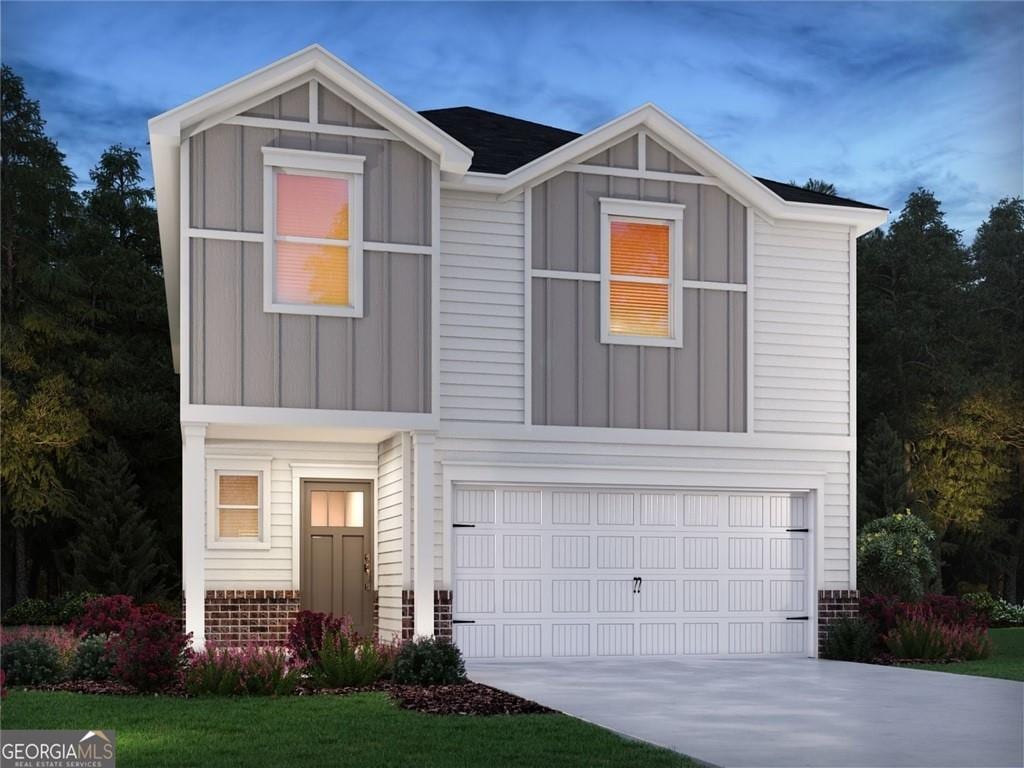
(878,98)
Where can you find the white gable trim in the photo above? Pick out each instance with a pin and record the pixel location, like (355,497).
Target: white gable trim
(670,133)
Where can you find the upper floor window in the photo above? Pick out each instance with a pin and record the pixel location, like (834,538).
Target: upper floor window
(313,256)
(641,273)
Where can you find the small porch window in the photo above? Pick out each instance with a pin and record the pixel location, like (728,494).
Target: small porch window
(237,505)
(641,273)
(313,232)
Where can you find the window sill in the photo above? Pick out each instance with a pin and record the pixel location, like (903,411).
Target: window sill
(317,310)
(641,341)
(238,545)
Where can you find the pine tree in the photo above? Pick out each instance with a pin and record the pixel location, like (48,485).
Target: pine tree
(882,482)
(118,549)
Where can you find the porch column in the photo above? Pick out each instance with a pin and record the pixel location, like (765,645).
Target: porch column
(193,529)
(423,533)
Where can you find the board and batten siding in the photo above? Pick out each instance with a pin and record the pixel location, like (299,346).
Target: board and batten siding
(834,528)
(579,381)
(241,355)
(801,328)
(393,531)
(482,308)
(273,568)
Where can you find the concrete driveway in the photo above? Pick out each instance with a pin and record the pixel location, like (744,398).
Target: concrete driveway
(784,712)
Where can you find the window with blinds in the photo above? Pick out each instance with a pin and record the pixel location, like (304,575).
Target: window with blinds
(238,505)
(640,280)
(311,240)
(313,248)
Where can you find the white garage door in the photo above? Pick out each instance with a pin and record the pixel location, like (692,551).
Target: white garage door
(578,572)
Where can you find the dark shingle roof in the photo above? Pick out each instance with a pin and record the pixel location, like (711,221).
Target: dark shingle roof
(501,144)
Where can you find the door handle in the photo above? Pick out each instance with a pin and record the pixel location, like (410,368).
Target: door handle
(637,583)
(367,581)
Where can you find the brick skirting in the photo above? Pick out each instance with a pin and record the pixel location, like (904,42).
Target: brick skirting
(833,605)
(243,616)
(442,614)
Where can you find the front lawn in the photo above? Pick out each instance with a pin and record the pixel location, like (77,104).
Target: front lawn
(364,729)
(1006,661)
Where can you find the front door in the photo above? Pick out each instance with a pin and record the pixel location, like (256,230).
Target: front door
(336,553)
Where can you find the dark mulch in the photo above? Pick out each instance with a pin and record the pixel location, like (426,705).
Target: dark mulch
(465,699)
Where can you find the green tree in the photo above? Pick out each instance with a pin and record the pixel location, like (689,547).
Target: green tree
(882,482)
(44,427)
(118,548)
(819,185)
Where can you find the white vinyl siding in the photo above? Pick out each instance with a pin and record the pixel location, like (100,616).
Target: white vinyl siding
(801,328)
(273,568)
(393,574)
(482,308)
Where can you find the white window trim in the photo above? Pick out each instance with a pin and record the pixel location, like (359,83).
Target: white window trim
(228,466)
(660,212)
(305,162)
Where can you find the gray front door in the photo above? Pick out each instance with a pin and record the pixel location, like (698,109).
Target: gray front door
(336,553)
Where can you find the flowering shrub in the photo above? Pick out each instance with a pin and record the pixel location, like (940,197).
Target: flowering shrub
(886,611)
(894,556)
(149,650)
(70,606)
(307,631)
(104,615)
(999,611)
(924,639)
(230,672)
(30,611)
(429,661)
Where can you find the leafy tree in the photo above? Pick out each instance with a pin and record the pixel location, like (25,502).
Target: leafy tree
(818,185)
(44,427)
(882,482)
(118,550)
(894,556)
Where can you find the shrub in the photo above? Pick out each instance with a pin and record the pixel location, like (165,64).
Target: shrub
(69,607)
(266,672)
(149,651)
(997,610)
(30,611)
(31,661)
(886,611)
(924,639)
(3,684)
(894,556)
(104,615)
(851,640)
(307,631)
(348,660)
(64,641)
(216,672)
(231,672)
(92,659)
(429,661)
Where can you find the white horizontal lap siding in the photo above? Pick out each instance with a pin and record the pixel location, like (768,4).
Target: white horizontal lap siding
(390,548)
(482,308)
(272,568)
(801,328)
(833,464)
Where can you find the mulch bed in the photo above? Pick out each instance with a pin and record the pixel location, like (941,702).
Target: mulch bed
(465,699)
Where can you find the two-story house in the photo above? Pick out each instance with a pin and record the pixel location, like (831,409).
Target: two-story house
(457,373)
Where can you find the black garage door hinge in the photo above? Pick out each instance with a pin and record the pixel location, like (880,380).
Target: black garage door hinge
(798,618)
(798,530)
(463,621)
(463,525)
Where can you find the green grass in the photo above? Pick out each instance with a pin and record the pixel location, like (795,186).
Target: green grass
(362,730)
(1006,661)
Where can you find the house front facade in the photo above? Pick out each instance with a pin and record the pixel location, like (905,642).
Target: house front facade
(548,394)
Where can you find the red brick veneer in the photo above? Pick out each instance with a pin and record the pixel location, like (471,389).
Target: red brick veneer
(243,616)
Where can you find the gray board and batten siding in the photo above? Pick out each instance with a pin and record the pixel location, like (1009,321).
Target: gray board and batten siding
(577,380)
(242,355)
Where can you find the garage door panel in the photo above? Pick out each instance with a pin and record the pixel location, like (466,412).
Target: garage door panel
(566,572)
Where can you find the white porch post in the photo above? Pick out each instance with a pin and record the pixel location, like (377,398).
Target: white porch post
(423,527)
(193,529)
